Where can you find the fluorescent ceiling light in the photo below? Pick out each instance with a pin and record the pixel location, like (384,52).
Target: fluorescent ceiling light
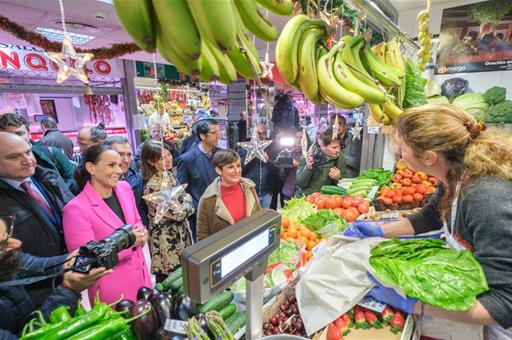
(58,35)
(106,1)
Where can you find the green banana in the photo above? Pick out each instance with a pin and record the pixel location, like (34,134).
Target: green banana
(353,59)
(185,65)
(330,89)
(348,80)
(208,64)
(279,7)
(255,21)
(178,26)
(307,77)
(137,18)
(241,61)
(216,22)
(384,74)
(227,71)
(287,46)
(394,58)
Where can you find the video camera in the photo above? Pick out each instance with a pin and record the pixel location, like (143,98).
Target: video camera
(96,254)
(289,152)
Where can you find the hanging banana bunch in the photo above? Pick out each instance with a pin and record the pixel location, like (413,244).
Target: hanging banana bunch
(204,38)
(424,37)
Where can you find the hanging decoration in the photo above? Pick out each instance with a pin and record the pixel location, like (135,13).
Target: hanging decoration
(38,40)
(355,131)
(304,144)
(168,197)
(68,52)
(267,66)
(335,127)
(255,147)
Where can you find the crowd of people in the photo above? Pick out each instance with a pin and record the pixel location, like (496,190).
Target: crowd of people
(52,205)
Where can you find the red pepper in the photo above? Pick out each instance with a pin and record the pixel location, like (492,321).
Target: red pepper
(397,323)
(371,318)
(342,325)
(360,318)
(387,314)
(333,332)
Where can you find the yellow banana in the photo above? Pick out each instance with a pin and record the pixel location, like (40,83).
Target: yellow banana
(137,18)
(384,73)
(178,27)
(216,22)
(348,80)
(394,58)
(307,77)
(279,7)
(255,21)
(424,26)
(378,114)
(208,64)
(380,50)
(185,65)
(330,89)
(392,110)
(422,15)
(227,71)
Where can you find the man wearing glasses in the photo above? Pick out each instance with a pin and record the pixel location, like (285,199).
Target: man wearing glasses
(195,166)
(16,305)
(35,196)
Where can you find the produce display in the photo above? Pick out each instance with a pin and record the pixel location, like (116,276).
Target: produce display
(500,110)
(428,270)
(359,185)
(208,326)
(287,320)
(346,206)
(189,34)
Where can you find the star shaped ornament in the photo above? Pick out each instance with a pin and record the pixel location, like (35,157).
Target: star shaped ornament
(68,51)
(255,148)
(266,67)
(355,131)
(167,198)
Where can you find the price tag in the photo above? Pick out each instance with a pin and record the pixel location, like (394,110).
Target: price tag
(373,130)
(391,216)
(370,303)
(175,326)
(373,192)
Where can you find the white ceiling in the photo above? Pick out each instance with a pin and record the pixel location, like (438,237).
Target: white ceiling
(402,5)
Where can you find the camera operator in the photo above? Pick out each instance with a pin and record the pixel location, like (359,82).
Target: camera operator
(324,164)
(16,306)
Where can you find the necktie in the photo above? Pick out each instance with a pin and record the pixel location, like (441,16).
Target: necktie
(37,197)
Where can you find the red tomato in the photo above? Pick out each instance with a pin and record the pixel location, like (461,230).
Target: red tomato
(339,201)
(315,194)
(432,180)
(397,198)
(396,178)
(330,203)
(408,173)
(351,214)
(388,200)
(347,203)
(390,193)
(409,190)
(407,198)
(319,202)
(400,172)
(418,197)
(406,182)
(430,190)
(357,200)
(363,207)
(420,188)
(338,211)
(415,179)
(385,189)
(381,197)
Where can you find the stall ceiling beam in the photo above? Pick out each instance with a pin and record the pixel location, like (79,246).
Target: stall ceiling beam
(26,88)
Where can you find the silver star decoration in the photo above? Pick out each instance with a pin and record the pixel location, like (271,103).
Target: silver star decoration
(68,51)
(266,67)
(304,144)
(355,131)
(255,148)
(167,198)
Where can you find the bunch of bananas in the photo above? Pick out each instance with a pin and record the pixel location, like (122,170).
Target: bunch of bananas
(204,38)
(425,38)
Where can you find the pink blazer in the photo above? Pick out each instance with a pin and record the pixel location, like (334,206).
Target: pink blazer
(87,217)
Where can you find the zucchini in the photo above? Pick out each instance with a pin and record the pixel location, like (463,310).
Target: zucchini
(333,189)
(364,181)
(362,191)
(236,321)
(166,284)
(217,302)
(227,311)
(176,284)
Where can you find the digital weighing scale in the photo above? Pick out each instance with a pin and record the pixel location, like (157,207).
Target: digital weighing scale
(215,263)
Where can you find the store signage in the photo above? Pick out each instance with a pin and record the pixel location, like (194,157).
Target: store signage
(467,43)
(72,134)
(19,57)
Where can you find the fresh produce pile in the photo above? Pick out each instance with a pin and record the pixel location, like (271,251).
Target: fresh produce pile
(101,322)
(202,37)
(430,272)
(347,206)
(500,110)
(408,189)
(358,186)
(300,235)
(287,320)
(381,175)
(296,209)
(209,326)
(362,318)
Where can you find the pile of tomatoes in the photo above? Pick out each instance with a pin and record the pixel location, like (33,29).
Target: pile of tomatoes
(407,186)
(347,206)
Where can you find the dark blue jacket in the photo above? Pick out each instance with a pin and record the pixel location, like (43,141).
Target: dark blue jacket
(134,178)
(261,173)
(16,305)
(195,168)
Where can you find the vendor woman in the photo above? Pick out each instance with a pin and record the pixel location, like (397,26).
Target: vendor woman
(473,207)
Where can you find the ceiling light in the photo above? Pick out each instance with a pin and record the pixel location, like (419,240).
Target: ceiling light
(58,35)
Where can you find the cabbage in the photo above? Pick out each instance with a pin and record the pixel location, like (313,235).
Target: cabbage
(438,100)
(474,104)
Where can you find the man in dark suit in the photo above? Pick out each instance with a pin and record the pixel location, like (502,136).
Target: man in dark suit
(35,197)
(52,136)
(195,166)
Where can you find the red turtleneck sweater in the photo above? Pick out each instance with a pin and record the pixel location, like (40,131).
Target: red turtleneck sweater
(234,200)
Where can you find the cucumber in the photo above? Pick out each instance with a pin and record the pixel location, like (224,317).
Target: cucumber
(362,191)
(236,321)
(227,311)
(359,186)
(166,284)
(217,302)
(332,189)
(364,181)
(176,284)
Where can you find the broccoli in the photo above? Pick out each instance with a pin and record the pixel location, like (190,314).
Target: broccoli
(495,95)
(501,112)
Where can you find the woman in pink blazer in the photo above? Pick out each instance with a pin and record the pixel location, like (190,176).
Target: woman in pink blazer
(104,205)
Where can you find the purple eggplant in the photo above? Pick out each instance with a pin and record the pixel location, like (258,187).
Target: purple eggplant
(124,305)
(184,308)
(146,326)
(143,293)
(162,305)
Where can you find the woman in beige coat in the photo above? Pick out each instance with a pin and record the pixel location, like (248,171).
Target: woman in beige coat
(229,199)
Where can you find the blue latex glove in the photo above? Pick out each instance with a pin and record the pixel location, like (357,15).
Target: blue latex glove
(391,297)
(363,230)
